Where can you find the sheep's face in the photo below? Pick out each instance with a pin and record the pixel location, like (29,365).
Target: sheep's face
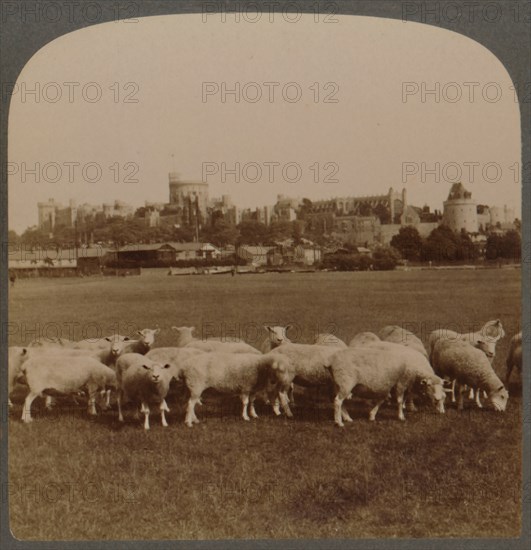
(277,335)
(499,399)
(147,336)
(488,347)
(157,372)
(435,391)
(117,344)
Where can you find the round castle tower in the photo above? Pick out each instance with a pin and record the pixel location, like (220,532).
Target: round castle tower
(460,210)
(181,192)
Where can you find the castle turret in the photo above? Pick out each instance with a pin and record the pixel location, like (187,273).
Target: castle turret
(460,210)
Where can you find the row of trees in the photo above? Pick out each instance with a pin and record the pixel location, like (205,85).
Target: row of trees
(444,245)
(120,231)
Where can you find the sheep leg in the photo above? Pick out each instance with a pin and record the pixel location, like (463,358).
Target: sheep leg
(163,410)
(119,403)
(276,406)
(374,410)
(145,410)
(409,404)
(252,410)
(338,405)
(344,414)
(460,397)
(291,395)
(10,404)
(400,401)
(93,390)
(49,402)
(190,412)
(478,400)
(471,393)
(26,410)
(284,401)
(453,391)
(245,402)
(107,404)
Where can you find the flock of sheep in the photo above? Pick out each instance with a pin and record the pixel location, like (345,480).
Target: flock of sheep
(392,365)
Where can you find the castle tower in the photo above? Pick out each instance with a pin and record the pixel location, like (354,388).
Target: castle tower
(183,193)
(46,212)
(460,210)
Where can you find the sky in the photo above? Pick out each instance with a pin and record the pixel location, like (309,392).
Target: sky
(118,106)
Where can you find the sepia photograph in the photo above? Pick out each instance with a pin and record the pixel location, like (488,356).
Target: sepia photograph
(266,272)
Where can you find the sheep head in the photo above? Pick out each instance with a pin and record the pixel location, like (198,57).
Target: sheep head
(499,398)
(434,389)
(156,371)
(277,334)
(147,336)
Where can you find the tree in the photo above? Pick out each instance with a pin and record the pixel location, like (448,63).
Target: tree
(383,213)
(441,245)
(512,245)
(252,232)
(220,233)
(408,242)
(279,231)
(297,232)
(365,209)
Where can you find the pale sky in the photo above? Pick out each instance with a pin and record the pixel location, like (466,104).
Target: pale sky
(369,133)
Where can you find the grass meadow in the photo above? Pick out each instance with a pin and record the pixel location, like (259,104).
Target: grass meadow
(453,475)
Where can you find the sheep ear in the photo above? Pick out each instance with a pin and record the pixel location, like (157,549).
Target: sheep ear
(267,327)
(175,328)
(288,327)
(156,331)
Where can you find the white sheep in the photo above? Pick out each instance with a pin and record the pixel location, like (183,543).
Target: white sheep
(16,357)
(276,335)
(426,382)
(185,339)
(327,339)
(107,353)
(306,368)
(469,366)
(484,339)
(143,344)
(363,338)
(242,374)
(51,371)
(514,357)
(369,373)
(399,335)
(143,381)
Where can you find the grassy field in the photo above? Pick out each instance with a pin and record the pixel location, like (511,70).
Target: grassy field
(457,475)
